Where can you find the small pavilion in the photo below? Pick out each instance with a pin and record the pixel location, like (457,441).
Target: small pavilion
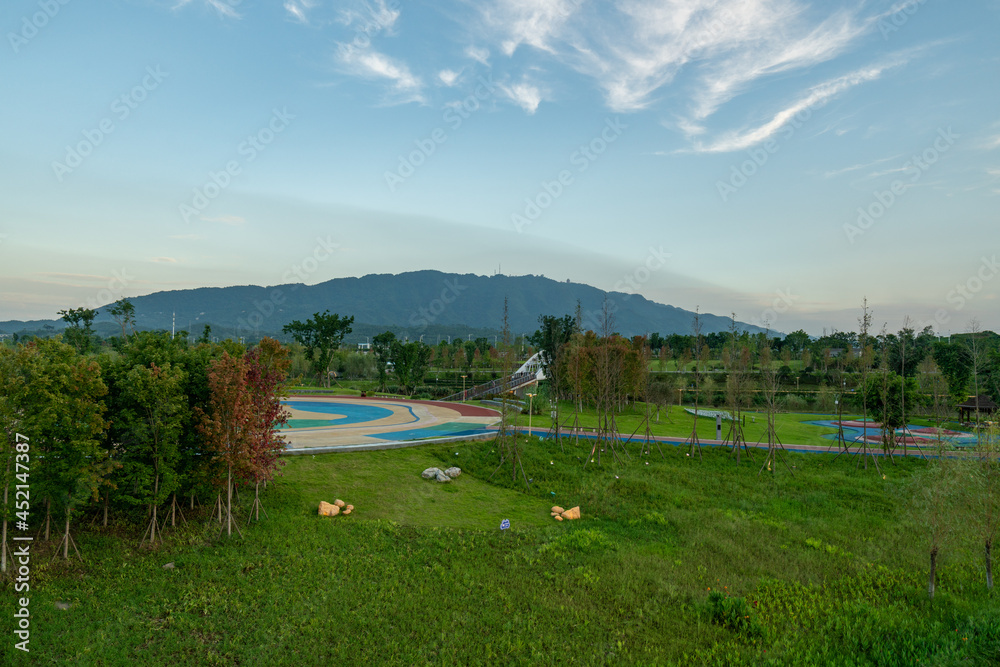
(984,405)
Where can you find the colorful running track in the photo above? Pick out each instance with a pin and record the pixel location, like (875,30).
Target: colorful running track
(349,423)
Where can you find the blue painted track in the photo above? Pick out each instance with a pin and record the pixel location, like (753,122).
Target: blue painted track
(353,412)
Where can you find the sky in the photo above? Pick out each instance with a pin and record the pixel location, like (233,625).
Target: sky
(782,160)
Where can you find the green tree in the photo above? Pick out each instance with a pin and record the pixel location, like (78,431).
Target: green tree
(64,418)
(80,331)
(410,361)
(124,313)
(796,341)
(320,336)
(382,345)
(148,425)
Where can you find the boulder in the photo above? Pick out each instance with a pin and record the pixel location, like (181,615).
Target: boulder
(558,510)
(441,477)
(572,513)
(431,473)
(326,509)
(349,508)
(453,472)
(339,503)
(558,518)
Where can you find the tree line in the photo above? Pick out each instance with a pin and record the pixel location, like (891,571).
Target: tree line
(145,428)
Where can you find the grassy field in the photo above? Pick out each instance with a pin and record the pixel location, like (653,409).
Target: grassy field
(676,423)
(674,562)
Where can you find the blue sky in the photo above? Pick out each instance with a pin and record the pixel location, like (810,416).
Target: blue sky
(777,158)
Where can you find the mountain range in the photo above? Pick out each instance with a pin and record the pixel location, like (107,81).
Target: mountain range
(420,303)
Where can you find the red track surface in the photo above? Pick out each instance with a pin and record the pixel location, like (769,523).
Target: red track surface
(461,408)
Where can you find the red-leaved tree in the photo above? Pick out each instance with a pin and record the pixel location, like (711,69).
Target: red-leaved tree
(228,424)
(266,370)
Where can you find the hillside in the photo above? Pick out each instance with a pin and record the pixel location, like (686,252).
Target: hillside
(421,302)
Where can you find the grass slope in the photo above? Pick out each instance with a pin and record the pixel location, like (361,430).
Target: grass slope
(675,562)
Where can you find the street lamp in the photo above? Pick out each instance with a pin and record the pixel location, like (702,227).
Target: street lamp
(463,387)
(530,403)
(796,384)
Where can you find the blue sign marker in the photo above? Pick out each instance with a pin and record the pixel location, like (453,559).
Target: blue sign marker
(505,524)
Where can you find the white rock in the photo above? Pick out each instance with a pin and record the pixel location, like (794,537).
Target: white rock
(453,472)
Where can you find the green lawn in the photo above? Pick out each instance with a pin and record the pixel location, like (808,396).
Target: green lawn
(674,562)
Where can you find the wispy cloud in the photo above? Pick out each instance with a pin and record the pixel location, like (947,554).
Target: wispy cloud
(187,237)
(859,166)
(368,63)
(298,9)
(223,7)
(525,95)
(815,97)
(163,260)
(370,17)
(480,55)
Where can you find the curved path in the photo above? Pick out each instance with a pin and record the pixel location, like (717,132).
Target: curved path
(350,423)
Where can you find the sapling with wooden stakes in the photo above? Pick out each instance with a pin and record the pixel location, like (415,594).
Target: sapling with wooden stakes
(694,444)
(226,426)
(608,385)
(267,368)
(769,394)
(736,388)
(506,442)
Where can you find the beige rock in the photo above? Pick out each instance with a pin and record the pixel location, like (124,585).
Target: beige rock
(339,503)
(349,507)
(326,509)
(571,514)
(347,510)
(558,518)
(558,510)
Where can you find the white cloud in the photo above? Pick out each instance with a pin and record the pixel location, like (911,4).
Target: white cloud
(480,55)
(816,97)
(298,9)
(524,95)
(374,65)
(371,17)
(634,49)
(859,166)
(163,260)
(448,77)
(223,7)
(531,22)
